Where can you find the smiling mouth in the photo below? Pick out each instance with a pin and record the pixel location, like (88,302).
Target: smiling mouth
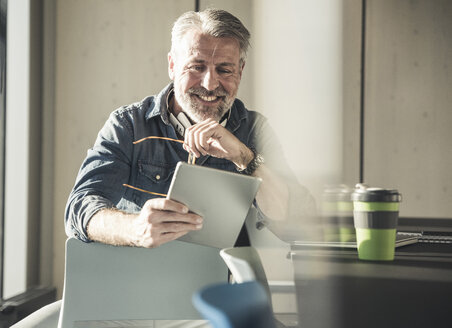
(208,98)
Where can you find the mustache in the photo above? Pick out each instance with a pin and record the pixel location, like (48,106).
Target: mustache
(200,91)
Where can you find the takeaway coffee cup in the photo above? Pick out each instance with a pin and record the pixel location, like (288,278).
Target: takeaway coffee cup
(375,214)
(337,213)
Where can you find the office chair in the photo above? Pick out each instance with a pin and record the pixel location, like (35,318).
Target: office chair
(244,305)
(105,282)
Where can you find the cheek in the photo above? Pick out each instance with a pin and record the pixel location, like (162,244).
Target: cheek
(187,80)
(231,85)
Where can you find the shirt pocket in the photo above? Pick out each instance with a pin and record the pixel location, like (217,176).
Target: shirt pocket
(154,178)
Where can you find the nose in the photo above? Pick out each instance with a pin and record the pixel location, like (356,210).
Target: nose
(210,80)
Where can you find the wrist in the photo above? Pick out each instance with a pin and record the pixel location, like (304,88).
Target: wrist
(253,164)
(245,157)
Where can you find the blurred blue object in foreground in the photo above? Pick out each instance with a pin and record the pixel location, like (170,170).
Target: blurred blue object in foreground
(244,305)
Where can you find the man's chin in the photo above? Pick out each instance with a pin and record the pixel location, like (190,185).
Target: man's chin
(202,113)
(199,116)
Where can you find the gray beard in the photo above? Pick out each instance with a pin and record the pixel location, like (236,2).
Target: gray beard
(196,111)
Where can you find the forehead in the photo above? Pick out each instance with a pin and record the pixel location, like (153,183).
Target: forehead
(195,45)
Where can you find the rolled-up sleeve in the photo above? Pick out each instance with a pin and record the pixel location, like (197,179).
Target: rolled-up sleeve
(99,181)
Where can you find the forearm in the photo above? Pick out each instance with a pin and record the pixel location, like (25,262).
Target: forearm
(80,208)
(112,226)
(273,194)
(281,197)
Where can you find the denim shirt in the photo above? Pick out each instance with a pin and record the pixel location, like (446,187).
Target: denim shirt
(114,160)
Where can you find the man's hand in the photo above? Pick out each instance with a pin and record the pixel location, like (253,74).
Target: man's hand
(160,221)
(210,138)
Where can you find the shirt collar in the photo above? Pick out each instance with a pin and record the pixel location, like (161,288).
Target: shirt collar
(238,113)
(159,107)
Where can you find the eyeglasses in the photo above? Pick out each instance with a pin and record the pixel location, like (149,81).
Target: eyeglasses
(191,160)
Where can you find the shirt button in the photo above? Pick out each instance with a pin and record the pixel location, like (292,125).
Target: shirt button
(157,177)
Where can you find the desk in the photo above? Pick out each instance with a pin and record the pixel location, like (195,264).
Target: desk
(335,289)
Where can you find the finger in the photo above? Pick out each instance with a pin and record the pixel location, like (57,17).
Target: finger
(167,227)
(164,204)
(190,218)
(197,141)
(192,136)
(208,132)
(161,216)
(200,135)
(190,139)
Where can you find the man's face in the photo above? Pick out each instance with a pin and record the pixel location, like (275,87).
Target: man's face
(206,72)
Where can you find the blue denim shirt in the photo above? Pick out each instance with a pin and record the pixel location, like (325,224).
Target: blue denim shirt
(114,160)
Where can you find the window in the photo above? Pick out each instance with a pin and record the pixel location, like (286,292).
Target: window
(3,6)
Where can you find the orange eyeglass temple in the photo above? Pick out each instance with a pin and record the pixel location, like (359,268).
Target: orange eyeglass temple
(142,190)
(154,137)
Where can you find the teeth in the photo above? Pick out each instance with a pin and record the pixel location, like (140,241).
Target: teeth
(211,98)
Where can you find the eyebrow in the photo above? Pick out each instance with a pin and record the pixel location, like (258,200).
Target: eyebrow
(226,64)
(202,61)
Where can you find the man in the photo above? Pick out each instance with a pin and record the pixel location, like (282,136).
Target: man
(205,65)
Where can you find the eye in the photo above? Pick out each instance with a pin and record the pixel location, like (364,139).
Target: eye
(223,71)
(197,68)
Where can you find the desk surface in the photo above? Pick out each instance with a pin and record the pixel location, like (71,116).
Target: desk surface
(335,289)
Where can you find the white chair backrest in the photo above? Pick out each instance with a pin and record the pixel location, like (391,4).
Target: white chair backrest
(241,270)
(245,265)
(105,282)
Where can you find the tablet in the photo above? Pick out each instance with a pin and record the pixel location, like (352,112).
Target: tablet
(222,198)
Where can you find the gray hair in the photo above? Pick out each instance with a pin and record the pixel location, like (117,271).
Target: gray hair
(214,22)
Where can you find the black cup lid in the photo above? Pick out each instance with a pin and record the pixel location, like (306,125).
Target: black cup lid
(363,193)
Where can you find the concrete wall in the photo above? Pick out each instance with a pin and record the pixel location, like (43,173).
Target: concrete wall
(351,86)
(297,78)
(408,120)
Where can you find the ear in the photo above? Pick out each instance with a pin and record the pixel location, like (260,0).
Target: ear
(241,69)
(171,66)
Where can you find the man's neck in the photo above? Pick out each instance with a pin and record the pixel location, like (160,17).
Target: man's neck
(171,103)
